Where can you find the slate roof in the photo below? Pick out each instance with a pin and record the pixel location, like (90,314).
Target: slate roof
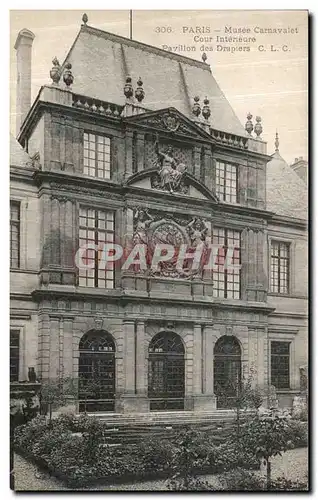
(101,61)
(286,193)
(18,157)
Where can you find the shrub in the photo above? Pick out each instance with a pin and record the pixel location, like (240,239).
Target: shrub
(242,480)
(26,435)
(153,454)
(266,437)
(297,433)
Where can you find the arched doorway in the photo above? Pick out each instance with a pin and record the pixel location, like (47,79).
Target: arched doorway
(227,370)
(96,372)
(166,372)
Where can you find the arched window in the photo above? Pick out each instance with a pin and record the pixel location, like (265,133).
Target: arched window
(166,372)
(227,370)
(96,372)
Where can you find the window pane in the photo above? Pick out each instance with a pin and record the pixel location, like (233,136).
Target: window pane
(280,359)
(96,156)
(96,227)
(279,267)
(14,355)
(14,234)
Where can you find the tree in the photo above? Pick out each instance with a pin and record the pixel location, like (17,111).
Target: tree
(186,460)
(55,393)
(246,397)
(265,437)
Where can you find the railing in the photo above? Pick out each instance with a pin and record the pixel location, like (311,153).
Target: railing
(229,139)
(96,106)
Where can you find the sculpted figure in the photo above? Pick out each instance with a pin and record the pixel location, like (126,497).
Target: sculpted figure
(170,171)
(143,221)
(197,231)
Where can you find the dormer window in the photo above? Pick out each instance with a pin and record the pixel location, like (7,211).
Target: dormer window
(226,182)
(97,156)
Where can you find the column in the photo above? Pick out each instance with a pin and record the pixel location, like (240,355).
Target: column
(208,168)
(54,370)
(140,152)
(129,356)
(197,162)
(140,359)
(209,355)
(205,401)
(197,360)
(129,152)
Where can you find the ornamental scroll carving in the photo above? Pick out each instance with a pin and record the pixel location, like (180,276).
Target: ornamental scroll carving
(153,229)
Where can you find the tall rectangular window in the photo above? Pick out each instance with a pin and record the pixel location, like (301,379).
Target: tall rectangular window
(280,354)
(280,262)
(97,156)
(14,234)
(96,228)
(14,355)
(226,277)
(226,182)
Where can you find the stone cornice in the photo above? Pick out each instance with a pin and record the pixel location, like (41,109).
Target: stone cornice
(118,297)
(97,187)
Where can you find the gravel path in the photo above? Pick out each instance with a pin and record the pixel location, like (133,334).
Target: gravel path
(293,464)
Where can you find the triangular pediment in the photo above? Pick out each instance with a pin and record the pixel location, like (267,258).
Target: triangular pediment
(189,186)
(170,120)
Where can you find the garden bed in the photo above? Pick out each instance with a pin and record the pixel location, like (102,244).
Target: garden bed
(70,449)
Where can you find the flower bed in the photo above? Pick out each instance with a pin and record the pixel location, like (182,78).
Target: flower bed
(70,448)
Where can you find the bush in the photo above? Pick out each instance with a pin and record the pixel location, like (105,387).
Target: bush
(27,435)
(297,433)
(82,458)
(242,480)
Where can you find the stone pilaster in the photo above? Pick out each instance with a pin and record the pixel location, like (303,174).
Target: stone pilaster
(206,401)
(129,153)
(54,369)
(197,360)
(208,168)
(140,150)
(197,162)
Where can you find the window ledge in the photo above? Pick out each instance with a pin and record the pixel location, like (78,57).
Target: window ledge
(286,295)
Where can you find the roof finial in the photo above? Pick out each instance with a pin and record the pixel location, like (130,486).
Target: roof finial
(128,89)
(206,112)
(204,57)
(276,142)
(67,75)
(258,129)
(85,19)
(196,108)
(249,127)
(55,72)
(139,92)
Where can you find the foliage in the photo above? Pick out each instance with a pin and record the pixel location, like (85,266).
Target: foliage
(188,456)
(265,437)
(73,447)
(297,433)
(243,480)
(26,435)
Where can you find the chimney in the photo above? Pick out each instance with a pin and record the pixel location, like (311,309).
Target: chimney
(23,46)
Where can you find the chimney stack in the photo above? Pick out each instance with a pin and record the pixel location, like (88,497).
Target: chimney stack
(23,46)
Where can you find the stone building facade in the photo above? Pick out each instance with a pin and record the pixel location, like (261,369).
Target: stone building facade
(108,157)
